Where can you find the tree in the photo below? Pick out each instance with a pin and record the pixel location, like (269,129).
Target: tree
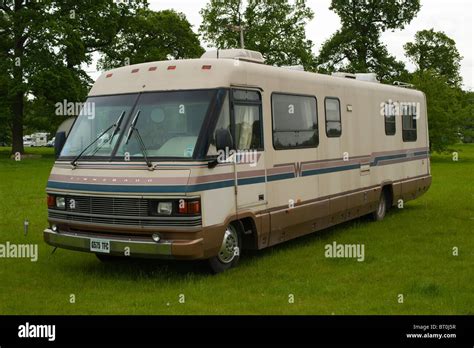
(436,51)
(43,45)
(356,47)
(467,117)
(152,36)
(274,28)
(444,109)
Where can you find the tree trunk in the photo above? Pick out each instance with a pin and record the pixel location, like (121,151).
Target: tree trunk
(17,124)
(18,94)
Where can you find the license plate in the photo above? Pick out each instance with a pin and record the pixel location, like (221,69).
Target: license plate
(100,246)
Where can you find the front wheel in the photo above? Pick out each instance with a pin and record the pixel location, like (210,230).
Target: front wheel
(229,253)
(382,207)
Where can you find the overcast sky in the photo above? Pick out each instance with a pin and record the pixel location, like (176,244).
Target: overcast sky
(454,17)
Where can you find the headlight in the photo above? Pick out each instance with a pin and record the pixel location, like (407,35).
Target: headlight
(165,208)
(61,202)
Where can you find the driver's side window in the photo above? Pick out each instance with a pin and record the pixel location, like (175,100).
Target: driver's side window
(223,122)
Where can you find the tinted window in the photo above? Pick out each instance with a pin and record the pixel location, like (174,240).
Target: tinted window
(409,116)
(333,117)
(389,117)
(295,122)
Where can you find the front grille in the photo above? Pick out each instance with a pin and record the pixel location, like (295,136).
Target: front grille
(117,211)
(109,206)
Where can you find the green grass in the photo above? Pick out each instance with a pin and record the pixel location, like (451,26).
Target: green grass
(408,253)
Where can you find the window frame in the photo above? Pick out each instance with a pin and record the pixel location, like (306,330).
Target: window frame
(415,130)
(273,121)
(326,117)
(233,101)
(385,123)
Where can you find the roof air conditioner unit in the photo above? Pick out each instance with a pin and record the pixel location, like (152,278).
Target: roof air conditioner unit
(239,54)
(368,77)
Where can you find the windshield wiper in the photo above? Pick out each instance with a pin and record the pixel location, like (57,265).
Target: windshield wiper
(134,129)
(115,125)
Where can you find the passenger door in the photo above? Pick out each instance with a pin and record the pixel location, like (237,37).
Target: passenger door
(247,132)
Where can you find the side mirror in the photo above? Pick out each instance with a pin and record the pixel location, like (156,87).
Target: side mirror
(59,143)
(224,144)
(224,140)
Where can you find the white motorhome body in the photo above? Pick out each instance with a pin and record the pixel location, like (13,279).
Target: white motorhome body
(327,149)
(38,139)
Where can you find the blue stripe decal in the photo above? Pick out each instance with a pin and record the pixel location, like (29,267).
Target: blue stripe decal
(386,158)
(214,185)
(330,170)
(250,181)
(285,176)
(141,189)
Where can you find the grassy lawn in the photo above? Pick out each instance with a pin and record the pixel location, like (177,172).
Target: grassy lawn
(409,253)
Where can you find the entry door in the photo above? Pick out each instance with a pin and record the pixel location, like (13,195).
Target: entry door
(249,160)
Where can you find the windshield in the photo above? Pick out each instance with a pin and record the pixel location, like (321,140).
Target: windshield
(97,114)
(169,123)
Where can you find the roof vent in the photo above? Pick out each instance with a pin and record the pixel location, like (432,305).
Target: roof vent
(239,54)
(368,77)
(344,75)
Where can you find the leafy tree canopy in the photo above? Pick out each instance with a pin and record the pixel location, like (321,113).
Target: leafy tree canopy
(435,51)
(275,28)
(152,36)
(356,47)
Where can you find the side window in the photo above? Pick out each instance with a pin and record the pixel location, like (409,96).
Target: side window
(389,117)
(295,122)
(247,119)
(333,117)
(223,122)
(409,115)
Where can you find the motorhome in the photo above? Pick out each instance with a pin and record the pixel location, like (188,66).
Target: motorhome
(35,140)
(206,158)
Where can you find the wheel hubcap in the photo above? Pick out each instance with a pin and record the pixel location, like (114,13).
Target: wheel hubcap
(230,245)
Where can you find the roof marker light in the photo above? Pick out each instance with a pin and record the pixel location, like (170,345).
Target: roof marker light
(206,67)
(135,71)
(172,67)
(108,75)
(152,68)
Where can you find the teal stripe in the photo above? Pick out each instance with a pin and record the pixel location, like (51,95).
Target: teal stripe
(213,185)
(277,177)
(330,170)
(251,181)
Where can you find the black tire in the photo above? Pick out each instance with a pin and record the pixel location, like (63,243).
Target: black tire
(228,256)
(382,207)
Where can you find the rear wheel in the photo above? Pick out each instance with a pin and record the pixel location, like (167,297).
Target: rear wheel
(229,253)
(382,207)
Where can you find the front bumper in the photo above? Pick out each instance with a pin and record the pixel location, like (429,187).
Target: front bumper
(137,247)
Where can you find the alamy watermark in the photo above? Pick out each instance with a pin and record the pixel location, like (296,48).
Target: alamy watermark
(67,108)
(398,108)
(20,251)
(335,250)
(37,331)
(238,156)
